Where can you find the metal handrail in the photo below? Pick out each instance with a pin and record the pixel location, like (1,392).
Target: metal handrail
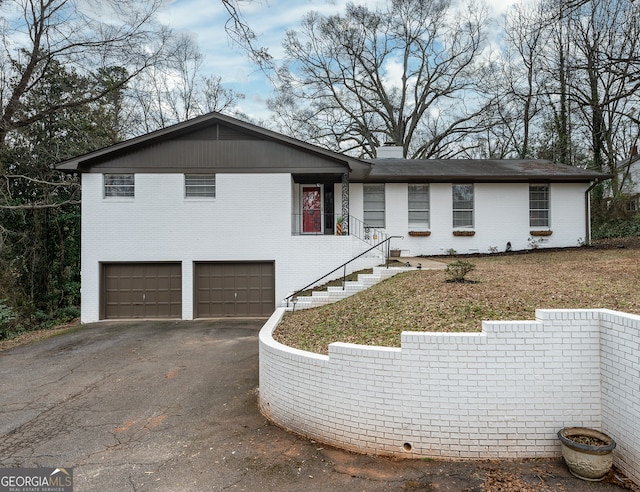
(365,232)
(344,265)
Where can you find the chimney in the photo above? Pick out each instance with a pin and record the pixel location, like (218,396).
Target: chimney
(390,151)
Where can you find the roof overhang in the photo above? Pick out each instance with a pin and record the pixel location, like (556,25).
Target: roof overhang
(322,161)
(478,171)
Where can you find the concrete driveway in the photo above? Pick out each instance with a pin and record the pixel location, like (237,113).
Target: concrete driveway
(171,406)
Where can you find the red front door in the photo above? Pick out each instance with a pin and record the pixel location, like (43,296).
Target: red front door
(311,210)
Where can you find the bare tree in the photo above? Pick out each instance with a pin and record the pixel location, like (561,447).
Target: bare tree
(177,90)
(606,86)
(241,33)
(571,91)
(85,37)
(404,74)
(518,82)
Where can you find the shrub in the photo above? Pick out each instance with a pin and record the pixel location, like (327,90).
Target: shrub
(68,313)
(8,317)
(458,270)
(617,228)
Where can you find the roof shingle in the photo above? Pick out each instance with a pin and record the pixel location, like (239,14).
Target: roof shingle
(483,170)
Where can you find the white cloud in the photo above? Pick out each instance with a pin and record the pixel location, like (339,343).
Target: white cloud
(393,71)
(499,7)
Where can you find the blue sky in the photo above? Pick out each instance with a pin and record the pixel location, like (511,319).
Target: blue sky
(204,20)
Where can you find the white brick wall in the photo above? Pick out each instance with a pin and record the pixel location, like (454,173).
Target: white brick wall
(620,368)
(249,220)
(502,393)
(501,215)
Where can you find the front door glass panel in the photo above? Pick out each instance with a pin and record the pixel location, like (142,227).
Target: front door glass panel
(311,210)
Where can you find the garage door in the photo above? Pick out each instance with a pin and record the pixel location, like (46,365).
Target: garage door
(234,289)
(141,290)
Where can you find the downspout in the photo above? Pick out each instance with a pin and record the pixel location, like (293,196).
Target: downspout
(587,208)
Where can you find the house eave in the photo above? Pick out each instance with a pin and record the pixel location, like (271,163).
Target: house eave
(482,179)
(478,171)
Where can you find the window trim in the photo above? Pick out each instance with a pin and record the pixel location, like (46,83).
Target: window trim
(455,209)
(547,199)
(188,187)
(109,190)
(365,211)
(422,225)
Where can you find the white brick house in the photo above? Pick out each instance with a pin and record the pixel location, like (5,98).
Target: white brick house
(217,217)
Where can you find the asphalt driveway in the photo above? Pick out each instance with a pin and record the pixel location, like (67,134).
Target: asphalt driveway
(171,406)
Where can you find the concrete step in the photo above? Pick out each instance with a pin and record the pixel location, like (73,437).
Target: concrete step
(337,293)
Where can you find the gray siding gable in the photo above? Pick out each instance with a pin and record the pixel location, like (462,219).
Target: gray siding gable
(233,156)
(214,143)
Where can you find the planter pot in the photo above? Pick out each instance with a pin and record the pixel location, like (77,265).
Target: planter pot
(395,253)
(587,461)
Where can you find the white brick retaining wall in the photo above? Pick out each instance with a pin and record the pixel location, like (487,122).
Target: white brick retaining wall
(501,393)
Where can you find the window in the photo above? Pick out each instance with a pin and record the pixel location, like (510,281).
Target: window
(462,205)
(119,185)
(200,185)
(539,205)
(419,206)
(374,205)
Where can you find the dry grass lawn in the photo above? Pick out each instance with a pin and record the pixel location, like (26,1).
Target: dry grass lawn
(506,287)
